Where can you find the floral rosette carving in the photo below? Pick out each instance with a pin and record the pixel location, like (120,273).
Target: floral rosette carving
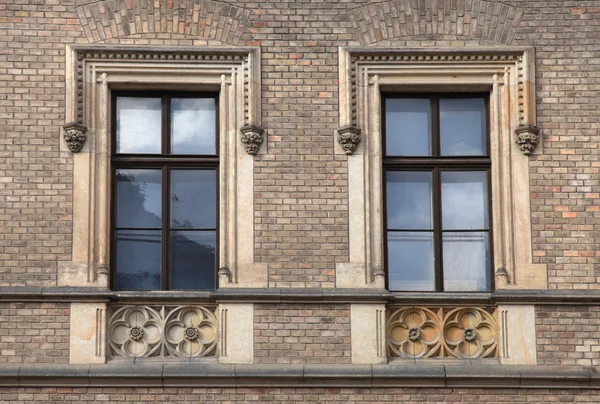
(191,331)
(135,331)
(470,333)
(414,333)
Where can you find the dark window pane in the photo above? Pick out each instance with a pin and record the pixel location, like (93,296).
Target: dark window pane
(193,127)
(193,260)
(462,127)
(138,198)
(407,127)
(408,200)
(138,260)
(466,261)
(138,125)
(410,261)
(464,200)
(193,199)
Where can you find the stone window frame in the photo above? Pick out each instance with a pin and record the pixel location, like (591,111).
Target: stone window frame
(508,74)
(92,72)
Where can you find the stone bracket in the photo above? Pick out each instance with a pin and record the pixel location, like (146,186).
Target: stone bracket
(527,138)
(75,136)
(252,138)
(224,275)
(349,138)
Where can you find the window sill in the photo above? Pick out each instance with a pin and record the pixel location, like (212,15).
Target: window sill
(285,295)
(463,375)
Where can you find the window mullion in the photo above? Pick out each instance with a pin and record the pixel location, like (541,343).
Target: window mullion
(435,127)
(437,230)
(164,283)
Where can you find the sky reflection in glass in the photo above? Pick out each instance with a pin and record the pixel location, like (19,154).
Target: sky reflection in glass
(138,125)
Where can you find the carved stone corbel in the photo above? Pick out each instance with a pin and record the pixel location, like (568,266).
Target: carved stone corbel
(527,138)
(349,138)
(224,275)
(75,136)
(501,278)
(252,138)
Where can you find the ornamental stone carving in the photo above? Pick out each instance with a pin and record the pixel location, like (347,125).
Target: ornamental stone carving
(527,138)
(349,138)
(252,138)
(75,136)
(163,331)
(421,332)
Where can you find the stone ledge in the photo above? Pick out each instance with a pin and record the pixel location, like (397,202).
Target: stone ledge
(295,295)
(367,376)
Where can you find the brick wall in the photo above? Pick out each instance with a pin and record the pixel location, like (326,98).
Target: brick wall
(34,333)
(301,333)
(301,201)
(291,395)
(568,335)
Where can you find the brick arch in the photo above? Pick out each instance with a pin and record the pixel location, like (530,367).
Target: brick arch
(206,19)
(476,19)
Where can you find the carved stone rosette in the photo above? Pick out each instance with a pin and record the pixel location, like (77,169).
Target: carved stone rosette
(527,138)
(252,138)
(163,331)
(422,332)
(75,136)
(349,138)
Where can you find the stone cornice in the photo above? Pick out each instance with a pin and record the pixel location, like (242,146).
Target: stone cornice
(396,374)
(285,295)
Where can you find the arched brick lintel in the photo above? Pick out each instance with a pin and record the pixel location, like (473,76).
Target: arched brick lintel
(478,19)
(206,19)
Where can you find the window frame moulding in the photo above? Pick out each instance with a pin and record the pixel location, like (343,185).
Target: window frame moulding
(92,72)
(508,74)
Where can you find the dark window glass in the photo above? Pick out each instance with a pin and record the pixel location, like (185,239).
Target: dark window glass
(165,167)
(437,193)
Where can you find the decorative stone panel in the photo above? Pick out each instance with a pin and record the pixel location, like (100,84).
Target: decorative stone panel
(202,18)
(475,19)
(163,331)
(417,332)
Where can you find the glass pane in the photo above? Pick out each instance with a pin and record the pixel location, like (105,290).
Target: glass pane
(463,127)
(193,199)
(138,198)
(410,261)
(193,127)
(138,125)
(408,200)
(464,200)
(193,260)
(407,127)
(138,260)
(466,261)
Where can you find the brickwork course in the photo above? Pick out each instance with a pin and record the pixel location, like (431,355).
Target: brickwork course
(302,333)
(34,333)
(568,335)
(290,395)
(301,219)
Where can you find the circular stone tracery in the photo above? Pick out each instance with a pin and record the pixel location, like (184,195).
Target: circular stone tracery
(136,333)
(414,334)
